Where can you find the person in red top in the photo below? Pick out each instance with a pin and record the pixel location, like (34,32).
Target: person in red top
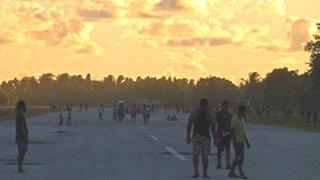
(223,124)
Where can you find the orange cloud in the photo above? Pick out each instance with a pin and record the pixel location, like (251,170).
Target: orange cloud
(35,21)
(191,59)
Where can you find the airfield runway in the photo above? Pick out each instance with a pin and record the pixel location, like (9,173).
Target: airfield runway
(106,150)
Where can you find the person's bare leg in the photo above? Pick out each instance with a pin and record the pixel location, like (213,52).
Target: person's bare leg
(242,174)
(205,164)
(233,168)
(20,158)
(219,159)
(196,166)
(228,160)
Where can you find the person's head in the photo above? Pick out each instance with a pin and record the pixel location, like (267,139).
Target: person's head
(242,109)
(21,106)
(204,103)
(225,106)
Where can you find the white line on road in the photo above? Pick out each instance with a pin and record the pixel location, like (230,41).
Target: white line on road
(141,127)
(153,137)
(176,154)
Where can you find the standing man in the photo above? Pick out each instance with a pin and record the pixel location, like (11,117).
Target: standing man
(223,120)
(239,138)
(201,122)
(21,133)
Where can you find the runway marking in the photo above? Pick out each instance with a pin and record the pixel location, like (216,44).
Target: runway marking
(153,137)
(176,154)
(141,127)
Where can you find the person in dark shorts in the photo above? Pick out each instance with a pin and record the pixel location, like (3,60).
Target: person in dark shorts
(201,122)
(21,133)
(223,137)
(239,138)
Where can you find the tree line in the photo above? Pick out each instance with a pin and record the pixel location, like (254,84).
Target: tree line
(281,91)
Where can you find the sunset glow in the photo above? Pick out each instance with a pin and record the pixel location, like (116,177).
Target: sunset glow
(182,38)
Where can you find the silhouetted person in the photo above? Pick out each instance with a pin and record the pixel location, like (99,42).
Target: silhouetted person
(69,117)
(239,138)
(61,119)
(223,137)
(121,112)
(21,133)
(100,117)
(201,122)
(146,114)
(134,113)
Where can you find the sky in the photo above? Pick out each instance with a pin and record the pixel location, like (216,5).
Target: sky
(182,38)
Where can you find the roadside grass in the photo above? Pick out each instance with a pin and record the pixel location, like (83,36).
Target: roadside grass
(7,112)
(292,122)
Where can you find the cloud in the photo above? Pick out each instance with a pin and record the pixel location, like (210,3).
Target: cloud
(178,5)
(272,6)
(300,32)
(32,22)
(287,61)
(99,9)
(175,27)
(95,14)
(172,72)
(191,59)
(199,42)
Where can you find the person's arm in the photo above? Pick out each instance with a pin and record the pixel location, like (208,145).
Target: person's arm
(232,127)
(189,128)
(247,141)
(245,136)
(23,131)
(213,128)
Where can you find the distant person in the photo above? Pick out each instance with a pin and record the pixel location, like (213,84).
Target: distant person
(223,137)
(121,112)
(100,117)
(69,117)
(146,114)
(115,113)
(134,113)
(61,119)
(21,133)
(239,138)
(201,122)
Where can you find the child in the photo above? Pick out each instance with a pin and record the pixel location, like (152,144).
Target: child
(21,133)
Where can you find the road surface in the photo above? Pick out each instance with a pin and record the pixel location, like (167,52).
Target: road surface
(93,149)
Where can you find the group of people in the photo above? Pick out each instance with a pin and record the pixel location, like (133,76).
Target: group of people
(68,110)
(225,129)
(120,111)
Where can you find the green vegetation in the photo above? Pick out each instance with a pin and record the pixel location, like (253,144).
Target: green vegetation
(293,122)
(7,113)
